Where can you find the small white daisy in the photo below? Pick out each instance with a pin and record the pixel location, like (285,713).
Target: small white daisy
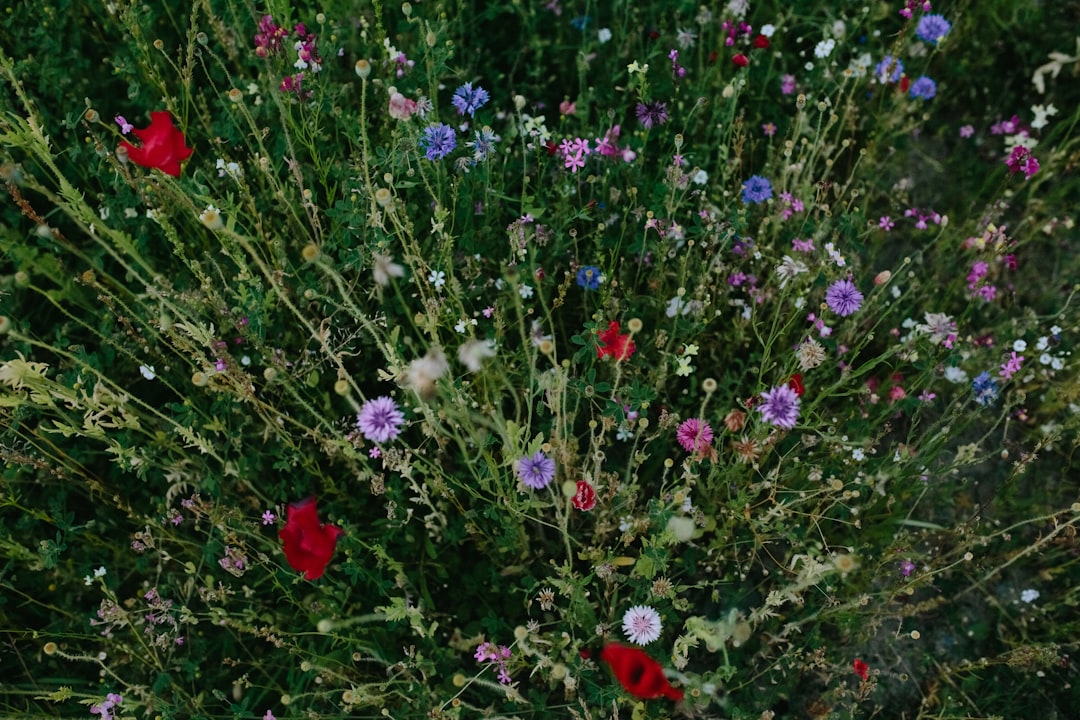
(641,624)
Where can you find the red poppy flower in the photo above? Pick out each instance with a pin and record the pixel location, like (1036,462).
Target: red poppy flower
(761,42)
(585,497)
(163,146)
(309,544)
(796,384)
(861,668)
(740,60)
(638,673)
(612,343)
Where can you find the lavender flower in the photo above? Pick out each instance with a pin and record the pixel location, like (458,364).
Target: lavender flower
(536,471)
(843,298)
(889,70)
(651,113)
(780,406)
(380,419)
(756,189)
(468,99)
(641,624)
(438,141)
(932,28)
(924,88)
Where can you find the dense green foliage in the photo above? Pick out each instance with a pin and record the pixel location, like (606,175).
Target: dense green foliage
(643,231)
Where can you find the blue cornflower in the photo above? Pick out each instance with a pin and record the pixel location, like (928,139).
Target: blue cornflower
(581,22)
(589,277)
(986,389)
(438,141)
(484,144)
(932,28)
(894,69)
(536,471)
(468,99)
(924,88)
(756,190)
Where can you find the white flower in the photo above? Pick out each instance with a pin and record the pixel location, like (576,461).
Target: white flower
(768,30)
(424,371)
(473,353)
(438,277)
(464,323)
(1019,346)
(824,48)
(858,454)
(147,371)
(211,218)
(676,306)
(525,291)
(700,177)
(383,268)
(1029,595)
(788,268)
(623,433)
(641,624)
(1045,358)
(955,375)
(603,35)
(1041,115)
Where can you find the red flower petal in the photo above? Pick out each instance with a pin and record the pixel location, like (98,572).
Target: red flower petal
(861,668)
(163,146)
(612,343)
(741,60)
(309,544)
(585,497)
(638,673)
(796,384)
(761,42)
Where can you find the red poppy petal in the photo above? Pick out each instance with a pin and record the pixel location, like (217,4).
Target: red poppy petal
(638,672)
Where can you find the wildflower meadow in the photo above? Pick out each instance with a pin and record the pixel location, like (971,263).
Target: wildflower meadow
(539,359)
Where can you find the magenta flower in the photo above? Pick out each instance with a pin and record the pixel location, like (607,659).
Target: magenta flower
(695,436)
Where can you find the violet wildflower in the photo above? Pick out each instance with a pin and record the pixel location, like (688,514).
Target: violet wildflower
(967,131)
(380,419)
(932,28)
(651,113)
(886,223)
(756,189)
(536,471)
(438,141)
(889,70)
(923,88)
(843,298)
(985,387)
(906,568)
(641,624)
(1021,159)
(268,518)
(787,84)
(780,406)
(695,435)
(1011,366)
(589,277)
(125,126)
(468,99)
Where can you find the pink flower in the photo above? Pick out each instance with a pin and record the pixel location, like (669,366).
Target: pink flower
(695,436)
(401,107)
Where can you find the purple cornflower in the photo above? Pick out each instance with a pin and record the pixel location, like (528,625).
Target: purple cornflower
(986,389)
(380,419)
(756,189)
(843,298)
(438,141)
(651,113)
(932,28)
(536,471)
(923,87)
(589,277)
(780,406)
(889,70)
(468,99)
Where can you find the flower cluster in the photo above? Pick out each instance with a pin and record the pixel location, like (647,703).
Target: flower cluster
(495,655)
